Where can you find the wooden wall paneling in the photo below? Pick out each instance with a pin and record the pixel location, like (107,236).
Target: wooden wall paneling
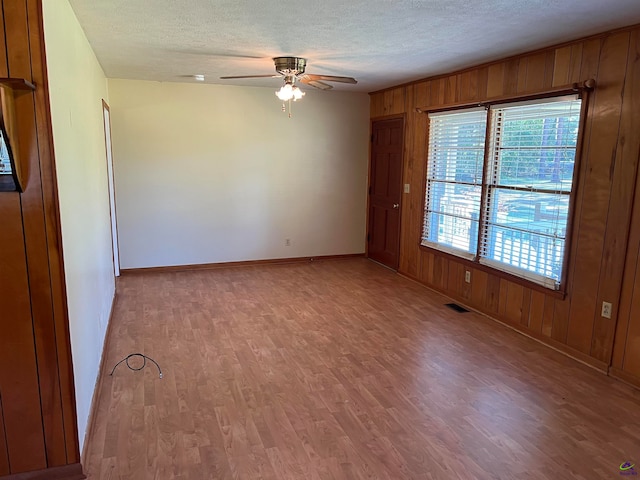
(511,69)
(628,288)
(19,375)
(387,102)
(598,169)
(440,272)
(547,315)
(483,81)
(450,89)
(394,101)
(36,240)
(631,363)
(550,59)
(536,311)
(421,95)
(495,80)
(53,233)
(492,299)
(408,261)
(376,104)
(468,85)
(479,288)
(619,215)
(526,307)
(437,91)
(455,278)
(536,65)
(513,302)
(426,268)
(523,66)
(576,64)
(4,453)
(560,328)
(561,66)
(502,298)
(589,64)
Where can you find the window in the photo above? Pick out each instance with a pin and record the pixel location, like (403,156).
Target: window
(499,182)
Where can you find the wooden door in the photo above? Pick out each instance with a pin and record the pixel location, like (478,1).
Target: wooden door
(385,189)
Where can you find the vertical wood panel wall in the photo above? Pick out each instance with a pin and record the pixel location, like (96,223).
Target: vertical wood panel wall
(604,193)
(37,406)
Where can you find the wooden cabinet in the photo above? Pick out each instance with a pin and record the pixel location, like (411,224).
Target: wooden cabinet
(38,432)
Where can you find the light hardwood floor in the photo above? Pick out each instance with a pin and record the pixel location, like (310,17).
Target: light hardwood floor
(342,369)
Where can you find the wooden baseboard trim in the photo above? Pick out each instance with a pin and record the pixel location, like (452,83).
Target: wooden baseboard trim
(576,355)
(625,377)
(67,472)
(98,386)
(248,263)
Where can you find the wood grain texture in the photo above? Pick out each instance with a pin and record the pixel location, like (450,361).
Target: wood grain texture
(605,189)
(4,453)
(35,368)
(597,168)
(53,240)
(625,171)
(33,218)
(341,370)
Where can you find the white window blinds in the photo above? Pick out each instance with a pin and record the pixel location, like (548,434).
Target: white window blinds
(454,179)
(511,209)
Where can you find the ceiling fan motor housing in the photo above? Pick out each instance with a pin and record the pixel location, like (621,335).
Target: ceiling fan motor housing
(290,65)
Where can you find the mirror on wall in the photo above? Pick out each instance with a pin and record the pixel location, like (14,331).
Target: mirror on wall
(14,168)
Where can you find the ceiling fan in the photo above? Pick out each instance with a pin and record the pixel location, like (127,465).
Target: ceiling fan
(293,68)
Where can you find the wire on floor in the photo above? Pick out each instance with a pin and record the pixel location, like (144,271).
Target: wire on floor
(135,369)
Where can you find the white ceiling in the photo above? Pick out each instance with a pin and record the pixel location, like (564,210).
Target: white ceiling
(379,42)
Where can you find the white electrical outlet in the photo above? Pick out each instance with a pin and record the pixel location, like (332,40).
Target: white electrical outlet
(606,309)
(467,276)
(407,187)
(287,242)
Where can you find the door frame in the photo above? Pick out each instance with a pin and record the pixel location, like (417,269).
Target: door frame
(373,120)
(115,250)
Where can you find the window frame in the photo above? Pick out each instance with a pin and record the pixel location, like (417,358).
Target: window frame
(474,260)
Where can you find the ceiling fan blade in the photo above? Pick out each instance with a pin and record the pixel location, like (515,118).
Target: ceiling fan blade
(331,78)
(307,80)
(251,76)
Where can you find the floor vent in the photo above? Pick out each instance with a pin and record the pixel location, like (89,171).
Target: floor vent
(456,307)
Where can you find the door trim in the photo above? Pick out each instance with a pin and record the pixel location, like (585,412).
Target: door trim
(115,249)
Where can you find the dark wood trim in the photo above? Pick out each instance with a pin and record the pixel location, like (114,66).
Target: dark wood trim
(90,431)
(576,355)
(247,263)
(67,472)
(625,377)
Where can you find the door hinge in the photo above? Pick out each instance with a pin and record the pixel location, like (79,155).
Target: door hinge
(369,190)
(372,138)
(368,237)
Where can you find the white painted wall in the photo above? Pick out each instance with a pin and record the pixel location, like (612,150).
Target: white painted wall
(77,86)
(212,173)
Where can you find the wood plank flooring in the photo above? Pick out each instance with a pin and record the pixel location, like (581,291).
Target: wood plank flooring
(341,369)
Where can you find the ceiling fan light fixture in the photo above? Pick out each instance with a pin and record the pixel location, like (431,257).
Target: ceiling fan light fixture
(289,92)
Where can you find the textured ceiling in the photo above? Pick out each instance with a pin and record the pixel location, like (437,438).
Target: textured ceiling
(379,42)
